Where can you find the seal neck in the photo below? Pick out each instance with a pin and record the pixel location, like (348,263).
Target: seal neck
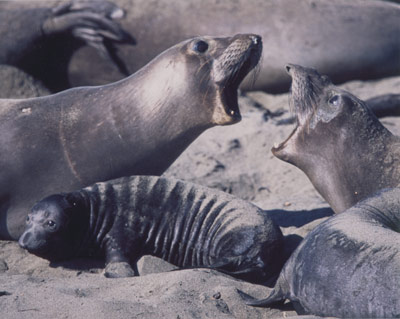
(99,223)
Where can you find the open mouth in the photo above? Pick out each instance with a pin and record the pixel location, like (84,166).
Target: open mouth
(305,90)
(294,109)
(246,62)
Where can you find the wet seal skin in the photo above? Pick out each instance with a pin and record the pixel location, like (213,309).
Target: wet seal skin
(137,126)
(186,224)
(338,142)
(348,266)
(40,37)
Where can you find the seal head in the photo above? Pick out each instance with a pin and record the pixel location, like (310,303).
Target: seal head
(55,228)
(225,62)
(338,142)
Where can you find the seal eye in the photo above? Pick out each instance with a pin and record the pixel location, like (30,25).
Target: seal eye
(334,100)
(200,46)
(51,224)
(27,219)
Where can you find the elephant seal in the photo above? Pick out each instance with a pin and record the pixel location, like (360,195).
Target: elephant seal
(338,142)
(346,46)
(348,266)
(137,126)
(40,37)
(186,224)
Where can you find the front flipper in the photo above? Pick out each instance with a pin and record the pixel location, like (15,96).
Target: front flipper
(119,270)
(93,23)
(117,264)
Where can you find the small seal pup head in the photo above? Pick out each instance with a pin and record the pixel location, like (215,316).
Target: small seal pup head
(205,71)
(54,228)
(338,142)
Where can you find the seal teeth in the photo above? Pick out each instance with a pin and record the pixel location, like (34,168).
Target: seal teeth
(276,145)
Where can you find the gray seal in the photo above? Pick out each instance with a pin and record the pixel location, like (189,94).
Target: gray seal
(348,266)
(335,37)
(186,224)
(137,126)
(39,37)
(338,142)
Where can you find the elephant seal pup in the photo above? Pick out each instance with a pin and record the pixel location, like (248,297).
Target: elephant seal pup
(186,224)
(40,37)
(338,143)
(348,266)
(346,46)
(137,126)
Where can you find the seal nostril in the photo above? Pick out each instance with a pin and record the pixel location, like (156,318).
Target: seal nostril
(288,67)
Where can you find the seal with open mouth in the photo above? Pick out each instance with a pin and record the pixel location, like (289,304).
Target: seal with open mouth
(186,224)
(348,266)
(338,142)
(137,126)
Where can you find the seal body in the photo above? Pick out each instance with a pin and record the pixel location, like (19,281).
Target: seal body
(349,265)
(338,142)
(183,223)
(137,126)
(347,45)
(39,37)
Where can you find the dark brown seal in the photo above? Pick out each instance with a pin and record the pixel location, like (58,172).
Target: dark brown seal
(335,37)
(186,224)
(348,266)
(137,126)
(338,142)
(39,37)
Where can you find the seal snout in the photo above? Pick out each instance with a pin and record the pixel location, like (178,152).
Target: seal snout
(24,239)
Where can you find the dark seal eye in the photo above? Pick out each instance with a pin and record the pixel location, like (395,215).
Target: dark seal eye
(27,219)
(51,224)
(334,100)
(200,46)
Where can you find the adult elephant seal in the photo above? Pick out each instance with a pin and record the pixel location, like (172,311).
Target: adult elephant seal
(338,142)
(348,266)
(137,126)
(335,37)
(39,37)
(186,224)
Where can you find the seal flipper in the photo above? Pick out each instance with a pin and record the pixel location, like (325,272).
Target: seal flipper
(117,265)
(119,270)
(94,25)
(274,299)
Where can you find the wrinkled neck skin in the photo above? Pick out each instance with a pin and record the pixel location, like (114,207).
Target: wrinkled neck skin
(347,158)
(100,221)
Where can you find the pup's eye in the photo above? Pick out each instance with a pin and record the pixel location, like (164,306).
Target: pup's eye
(334,100)
(51,224)
(200,46)
(27,219)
